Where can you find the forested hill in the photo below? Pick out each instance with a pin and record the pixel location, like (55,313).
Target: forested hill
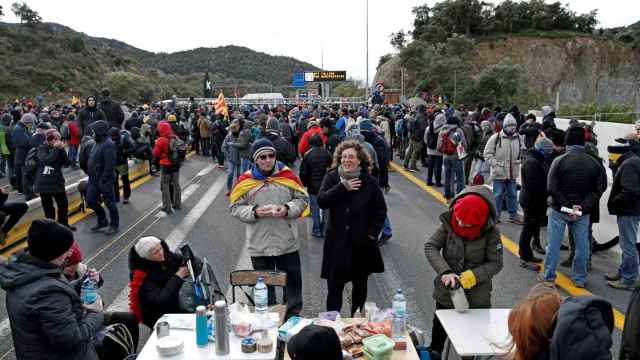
(54,60)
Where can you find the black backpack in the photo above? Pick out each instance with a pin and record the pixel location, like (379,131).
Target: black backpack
(432,138)
(31,162)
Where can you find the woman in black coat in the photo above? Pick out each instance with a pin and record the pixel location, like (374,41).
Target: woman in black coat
(357,210)
(51,158)
(157,274)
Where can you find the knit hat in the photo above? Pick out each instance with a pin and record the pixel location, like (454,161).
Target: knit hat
(43,126)
(453,120)
(171,118)
(315,342)
(51,136)
(509,120)
(469,215)
(76,255)
(575,136)
(273,124)
(543,145)
(47,239)
(366,125)
(262,146)
(28,118)
(145,245)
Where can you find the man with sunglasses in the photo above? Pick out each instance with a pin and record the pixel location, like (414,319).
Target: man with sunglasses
(269,199)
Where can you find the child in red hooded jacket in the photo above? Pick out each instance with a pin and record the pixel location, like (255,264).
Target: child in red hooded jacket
(170,179)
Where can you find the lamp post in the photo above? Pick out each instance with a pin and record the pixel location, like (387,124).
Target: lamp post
(366,91)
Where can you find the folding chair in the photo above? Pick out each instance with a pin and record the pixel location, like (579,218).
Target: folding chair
(248,278)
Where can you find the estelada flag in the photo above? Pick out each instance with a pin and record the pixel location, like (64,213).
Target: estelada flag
(252,179)
(220,105)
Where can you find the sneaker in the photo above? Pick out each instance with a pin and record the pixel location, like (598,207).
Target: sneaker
(429,183)
(537,248)
(529,265)
(540,278)
(167,211)
(176,207)
(414,168)
(622,285)
(612,277)
(532,259)
(516,220)
(438,184)
(71,227)
(99,226)
(384,238)
(125,201)
(578,285)
(317,236)
(407,168)
(112,230)
(564,247)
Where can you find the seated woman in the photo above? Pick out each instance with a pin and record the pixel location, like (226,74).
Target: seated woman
(543,326)
(156,275)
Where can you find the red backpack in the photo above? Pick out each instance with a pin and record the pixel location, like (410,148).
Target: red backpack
(448,145)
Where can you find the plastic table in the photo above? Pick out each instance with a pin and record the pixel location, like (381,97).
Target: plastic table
(476,332)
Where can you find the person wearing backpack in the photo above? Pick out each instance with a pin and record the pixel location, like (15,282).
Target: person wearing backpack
(435,157)
(218,130)
(170,180)
(31,161)
(452,144)
(125,146)
(416,135)
(243,143)
(503,153)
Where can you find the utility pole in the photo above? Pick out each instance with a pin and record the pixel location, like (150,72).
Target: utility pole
(366,92)
(401,81)
(455,85)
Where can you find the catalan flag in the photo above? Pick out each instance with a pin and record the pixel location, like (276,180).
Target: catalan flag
(75,100)
(220,105)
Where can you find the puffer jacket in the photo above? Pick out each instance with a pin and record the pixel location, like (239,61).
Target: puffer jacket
(503,152)
(46,316)
(314,166)
(271,236)
(624,199)
(448,252)
(49,177)
(243,143)
(102,159)
(231,153)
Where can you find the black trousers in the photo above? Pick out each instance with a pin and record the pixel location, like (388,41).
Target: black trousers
(126,186)
(530,230)
(435,168)
(438,335)
(289,263)
(14,211)
(50,211)
(359,294)
(18,171)
(130,322)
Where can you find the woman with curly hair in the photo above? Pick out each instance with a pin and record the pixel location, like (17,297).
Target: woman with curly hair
(357,210)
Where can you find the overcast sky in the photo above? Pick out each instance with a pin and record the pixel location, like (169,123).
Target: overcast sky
(298,28)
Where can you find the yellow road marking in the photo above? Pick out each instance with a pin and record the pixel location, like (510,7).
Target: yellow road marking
(562,281)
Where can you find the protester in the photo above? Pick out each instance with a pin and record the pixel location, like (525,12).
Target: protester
(157,273)
(315,342)
(170,181)
(312,171)
(630,347)
(112,110)
(450,140)
(312,129)
(285,151)
(465,250)
(416,128)
(358,211)
(503,153)
(575,181)
(624,203)
(205,138)
(21,135)
(218,130)
(125,147)
(434,171)
(50,181)
(88,115)
(74,140)
(269,199)
(101,169)
(231,154)
(243,143)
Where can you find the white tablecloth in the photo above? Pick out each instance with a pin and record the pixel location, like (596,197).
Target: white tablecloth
(193,352)
(477,332)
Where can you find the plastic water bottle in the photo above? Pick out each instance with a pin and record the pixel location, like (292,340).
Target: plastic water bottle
(202,338)
(261,298)
(88,291)
(399,315)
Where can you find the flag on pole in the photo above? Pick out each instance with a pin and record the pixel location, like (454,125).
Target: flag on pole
(220,105)
(75,100)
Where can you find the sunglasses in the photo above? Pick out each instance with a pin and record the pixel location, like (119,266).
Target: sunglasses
(267,156)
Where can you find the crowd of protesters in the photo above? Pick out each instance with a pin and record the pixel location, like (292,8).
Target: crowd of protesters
(344,157)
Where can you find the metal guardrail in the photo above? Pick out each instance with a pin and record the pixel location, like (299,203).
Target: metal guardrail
(18,235)
(280,101)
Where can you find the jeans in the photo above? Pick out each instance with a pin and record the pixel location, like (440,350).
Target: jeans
(289,263)
(435,168)
(500,187)
(555,233)
(245,164)
(205,145)
(233,172)
(103,191)
(453,167)
(386,228)
(73,154)
(319,216)
(50,210)
(628,227)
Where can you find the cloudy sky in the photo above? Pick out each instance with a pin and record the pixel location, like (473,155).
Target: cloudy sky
(298,28)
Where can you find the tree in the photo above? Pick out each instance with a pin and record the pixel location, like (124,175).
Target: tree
(398,40)
(1,13)
(26,14)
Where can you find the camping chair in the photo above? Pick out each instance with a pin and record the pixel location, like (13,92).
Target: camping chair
(248,278)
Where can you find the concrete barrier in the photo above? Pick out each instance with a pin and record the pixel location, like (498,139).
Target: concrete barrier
(18,234)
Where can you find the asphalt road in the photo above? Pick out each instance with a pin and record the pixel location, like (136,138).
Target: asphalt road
(205,223)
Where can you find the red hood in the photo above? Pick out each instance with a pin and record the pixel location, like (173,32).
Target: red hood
(164,129)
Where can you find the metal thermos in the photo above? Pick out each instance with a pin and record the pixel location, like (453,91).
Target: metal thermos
(222,333)
(458,298)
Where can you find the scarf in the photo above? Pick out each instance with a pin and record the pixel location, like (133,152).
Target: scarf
(469,216)
(254,178)
(348,175)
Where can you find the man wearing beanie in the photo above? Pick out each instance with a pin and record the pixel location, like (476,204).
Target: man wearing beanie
(624,203)
(20,137)
(284,150)
(576,181)
(269,199)
(503,153)
(315,342)
(48,320)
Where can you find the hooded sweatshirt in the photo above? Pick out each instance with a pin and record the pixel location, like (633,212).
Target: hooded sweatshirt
(102,159)
(161,148)
(88,116)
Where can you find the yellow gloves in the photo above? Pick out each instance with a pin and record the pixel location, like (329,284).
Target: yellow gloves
(468,279)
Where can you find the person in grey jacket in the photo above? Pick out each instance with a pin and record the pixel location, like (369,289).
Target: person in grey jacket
(465,250)
(48,320)
(503,152)
(243,144)
(267,200)
(231,154)
(435,157)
